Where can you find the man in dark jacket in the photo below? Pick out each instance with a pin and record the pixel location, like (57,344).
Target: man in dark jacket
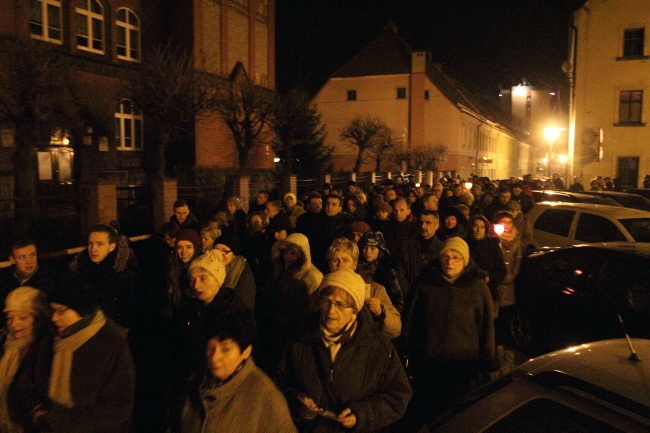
(26,269)
(184,218)
(419,251)
(400,226)
(106,265)
(335,224)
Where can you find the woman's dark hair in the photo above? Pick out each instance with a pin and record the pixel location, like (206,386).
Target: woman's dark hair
(237,325)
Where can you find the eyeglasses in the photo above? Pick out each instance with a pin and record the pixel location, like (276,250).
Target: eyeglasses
(326,304)
(451,259)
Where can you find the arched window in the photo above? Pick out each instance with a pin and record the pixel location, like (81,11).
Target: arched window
(128,126)
(45,22)
(90,26)
(128,35)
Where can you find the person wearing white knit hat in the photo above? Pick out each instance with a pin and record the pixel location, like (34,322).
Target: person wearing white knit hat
(342,371)
(207,273)
(449,328)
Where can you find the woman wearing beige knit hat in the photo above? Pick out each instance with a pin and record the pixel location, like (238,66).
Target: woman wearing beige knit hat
(341,372)
(24,341)
(449,329)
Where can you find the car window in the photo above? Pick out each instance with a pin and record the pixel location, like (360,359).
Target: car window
(544,415)
(595,228)
(556,221)
(639,228)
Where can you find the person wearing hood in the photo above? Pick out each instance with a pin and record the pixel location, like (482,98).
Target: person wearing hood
(453,223)
(512,251)
(449,329)
(376,265)
(239,276)
(107,265)
(341,372)
(485,250)
(294,255)
(284,302)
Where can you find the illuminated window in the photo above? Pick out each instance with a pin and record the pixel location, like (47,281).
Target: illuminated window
(45,21)
(401,93)
(128,35)
(352,95)
(90,26)
(128,126)
(633,42)
(630,107)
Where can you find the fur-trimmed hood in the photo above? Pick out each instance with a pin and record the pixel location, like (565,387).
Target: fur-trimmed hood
(118,258)
(305,271)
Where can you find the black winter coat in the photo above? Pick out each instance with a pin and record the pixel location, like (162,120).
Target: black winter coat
(367,376)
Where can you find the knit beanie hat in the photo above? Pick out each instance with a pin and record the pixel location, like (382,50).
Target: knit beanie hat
(20,299)
(76,293)
(192,236)
(292,195)
(459,245)
(212,261)
(360,227)
(373,239)
(230,240)
(349,281)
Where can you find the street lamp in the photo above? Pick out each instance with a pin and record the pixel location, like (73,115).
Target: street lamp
(550,133)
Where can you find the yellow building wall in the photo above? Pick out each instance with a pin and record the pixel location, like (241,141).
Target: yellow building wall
(599,79)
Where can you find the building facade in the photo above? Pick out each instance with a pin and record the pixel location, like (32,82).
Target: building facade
(424,108)
(105,41)
(609,69)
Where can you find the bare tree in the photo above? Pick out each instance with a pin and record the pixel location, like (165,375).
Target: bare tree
(367,134)
(299,136)
(36,97)
(425,159)
(247,110)
(171,94)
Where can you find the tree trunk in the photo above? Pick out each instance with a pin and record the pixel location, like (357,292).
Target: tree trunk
(156,179)
(359,161)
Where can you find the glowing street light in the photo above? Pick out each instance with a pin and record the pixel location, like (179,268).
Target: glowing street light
(551,134)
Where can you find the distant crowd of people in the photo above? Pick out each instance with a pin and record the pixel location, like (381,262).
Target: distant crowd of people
(372,310)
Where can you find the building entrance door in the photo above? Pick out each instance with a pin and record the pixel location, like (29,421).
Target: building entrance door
(628,172)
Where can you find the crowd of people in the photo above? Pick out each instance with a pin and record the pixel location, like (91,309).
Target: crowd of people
(372,310)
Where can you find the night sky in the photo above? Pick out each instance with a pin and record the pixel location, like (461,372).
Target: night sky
(482,43)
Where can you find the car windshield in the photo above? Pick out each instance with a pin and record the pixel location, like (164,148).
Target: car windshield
(639,228)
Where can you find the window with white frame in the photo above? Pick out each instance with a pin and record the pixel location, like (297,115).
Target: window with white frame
(45,22)
(90,26)
(128,126)
(128,35)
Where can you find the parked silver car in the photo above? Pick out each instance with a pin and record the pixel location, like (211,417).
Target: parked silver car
(596,387)
(557,224)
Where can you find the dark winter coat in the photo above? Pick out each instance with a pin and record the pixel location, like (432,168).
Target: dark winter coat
(367,376)
(412,259)
(43,279)
(450,321)
(102,383)
(395,233)
(486,253)
(115,281)
(191,222)
(31,381)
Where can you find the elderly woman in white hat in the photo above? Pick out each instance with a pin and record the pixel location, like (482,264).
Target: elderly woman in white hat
(341,372)
(25,353)
(449,327)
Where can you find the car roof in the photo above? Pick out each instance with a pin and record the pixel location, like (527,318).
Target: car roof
(617,212)
(579,197)
(607,364)
(638,248)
